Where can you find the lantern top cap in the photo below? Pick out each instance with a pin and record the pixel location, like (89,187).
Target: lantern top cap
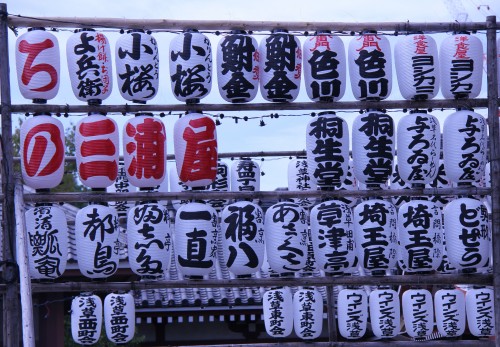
(369,32)
(322,32)
(135,31)
(41,114)
(279,31)
(417,111)
(238,31)
(324,113)
(190,30)
(36,28)
(148,114)
(96,113)
(84,29)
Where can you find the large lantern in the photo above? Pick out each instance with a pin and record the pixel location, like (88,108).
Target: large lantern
(417,67)
(195,147)
(480,308)
(37,63)
(47,231)
(86,319)
(307,313)
(145,150)
(89,65)
(277,306)
(300,180)
(176,186)
(137,66)
(461,60)
(370,66)
(327,143)
(190,66)
(119,317)
(450,312)
(286,237)
(195,240)
(121,185)
(280,67)
(245,176)
(324,67)
(96,238)
(352,313)
(385,313)
(418,312)
(221,184)
(42,150)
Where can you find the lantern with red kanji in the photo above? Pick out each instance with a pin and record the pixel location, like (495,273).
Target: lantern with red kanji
(86,319)
(449,307)
(277,307)
(352,306)
(418,312)
(480,308)
(307,313)
(119,317)
(385,313)
(300,180)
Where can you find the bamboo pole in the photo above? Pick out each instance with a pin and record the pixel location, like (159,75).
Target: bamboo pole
(391,343)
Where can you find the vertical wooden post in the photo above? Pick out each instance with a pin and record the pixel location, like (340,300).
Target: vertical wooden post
(332,323)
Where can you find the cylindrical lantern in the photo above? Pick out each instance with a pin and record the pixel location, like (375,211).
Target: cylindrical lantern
(286,237)
(37,64)
(97,142)
(242,235)
(307,313)
(89,65)
(418,312)
(327,144)
(238,67)
(119,317)
(300,180)
(375,230)
(417,66)
(280,66)
(352,313)
(480,308)
(86,319)
(221,184)
(385,313)
(324,67)
(373,149)
(332,235)
(461,65)
(464,146)
(96,239)
(145,150)
(277,306)
(42,149)
(349,183)
(420,236)
(190,66)
(121,185)
(149,240)
(450,312)
(195,240)
(397,183)
(47,231)
(195,147)
(467,237)
(441,181)
(419,147)
(177,186)
(245,176)
(137,66)
(370,66)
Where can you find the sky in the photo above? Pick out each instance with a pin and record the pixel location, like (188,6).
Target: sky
(283,134)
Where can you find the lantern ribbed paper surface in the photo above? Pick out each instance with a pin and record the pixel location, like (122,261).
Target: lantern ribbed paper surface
(352,307)
(177,186)
(300,180)
(480,310)
(441,181)
(221,184)
(307,313)
(277,306)
(349,183)
(450,312)
(119,317)
(385,313)
(418,312)
(86,319)
(121,185)
(397,183)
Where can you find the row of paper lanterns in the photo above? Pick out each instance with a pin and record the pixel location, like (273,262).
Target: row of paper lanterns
(242,64)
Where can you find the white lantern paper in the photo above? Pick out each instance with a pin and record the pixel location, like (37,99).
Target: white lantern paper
(89,65)
(245,176)
(121,185)
(370,66)
(96,239)
(42,148)
(332,234)
(397,183)
(461,65)
(327,145)
(480,308)
(352,313)
(441,181)
(299,180)
(195,240)
(325,67)
(190,66)
(417,66)
(195,147)
(464,146)
(418,312)
(280,67)
(47,233)
(349,183)
(277,306)
(307,313)
(119,317)
(86,319)
(285,236)
(177,186)
(221,184)
(38,65)
(450,312)
(385,313)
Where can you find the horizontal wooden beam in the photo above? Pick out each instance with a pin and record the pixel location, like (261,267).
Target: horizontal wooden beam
(354,343)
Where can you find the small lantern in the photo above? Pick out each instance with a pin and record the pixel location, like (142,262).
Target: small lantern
(418,312)
(245,176)
(385,313)
(300,180)
(121,185)
(352,313)
(119,317)
(450,312)
(277,306)
(86,319)
(480,308)
(221,184)
(307,313)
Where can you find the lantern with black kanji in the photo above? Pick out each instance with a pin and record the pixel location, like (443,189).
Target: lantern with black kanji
(195,147)
(277,306)
(119,317)
(307,313)
(352,307)
(449,307)
(137,66)
(89,65)
(86,319)
(38,65)
(42,149)
(480,308)
(324,62)
(418,312)
(190,66)
(176,186)
(349,183)
(121,185)
(397,183)
(245,176)
(385,313)
(441,181)
(300,180)
(221,184)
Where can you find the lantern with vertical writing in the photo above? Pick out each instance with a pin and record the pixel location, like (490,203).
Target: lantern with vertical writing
(441,181)
(449,307)
(418,312)
(385,313)
(121,185)
(480,308)
(119,317)
(300,180)
(245,176)
(352,313)
(349,183)
(277,306)
(397,183)
(221,184)
(86,319)
(307,313)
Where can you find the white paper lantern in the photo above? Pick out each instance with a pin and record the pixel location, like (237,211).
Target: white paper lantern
(96,239)
(450,312)
(461,66)
(245,176)
(277,306)
(137,66)
(417,66)
(190,66)
(327,144)
(370,66)
(86,319)
(307,313)
(352,313)
(349,183)
(280,67)
(385,313)
(221,184)
(176,186)
(38,65)
(480,308)
(396,183)
(418,312)
(195,147)
(121,185)
(89,65)
(300,180)
(42,148)
(324,62)
(285,235)
(119,317)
